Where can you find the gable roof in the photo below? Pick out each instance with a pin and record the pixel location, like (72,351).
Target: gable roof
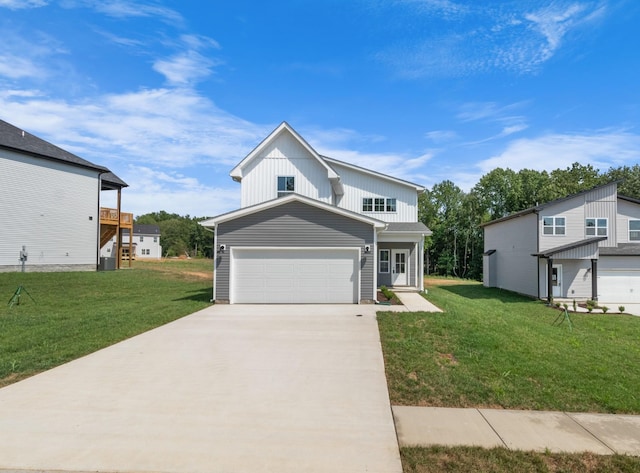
(237,172)
(326,162)
(540,207)
(14,139)
(213,222)
(420,189)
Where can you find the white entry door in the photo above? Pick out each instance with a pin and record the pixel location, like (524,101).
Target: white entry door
(399,267)
(556,280)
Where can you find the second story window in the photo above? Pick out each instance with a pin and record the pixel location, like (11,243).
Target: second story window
(141,238)
(286,185)
(391,205)
(634,230)
(378,204)
(596,227)
(553,225)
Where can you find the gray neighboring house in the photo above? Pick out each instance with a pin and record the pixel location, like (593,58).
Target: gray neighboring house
(50,204)
(312,229)
(585,246)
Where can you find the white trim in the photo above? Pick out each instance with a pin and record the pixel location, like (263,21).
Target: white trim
(374,296)
(212,222)
(404,237)
(560,281)
(215,256)
(407,266)
(237,174)
(388,250)
(233,250)
(629,220)
(554,226)
(596,227)
(419,189)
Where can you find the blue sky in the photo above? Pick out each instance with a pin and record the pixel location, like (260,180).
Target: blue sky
(171,94)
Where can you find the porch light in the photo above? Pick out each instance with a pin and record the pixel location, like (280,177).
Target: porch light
(367,248)
(221,248)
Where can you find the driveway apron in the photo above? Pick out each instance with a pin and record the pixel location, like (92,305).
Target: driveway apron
(227,389)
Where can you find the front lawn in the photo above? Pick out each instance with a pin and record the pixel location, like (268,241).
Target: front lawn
(493,348)
(80,312)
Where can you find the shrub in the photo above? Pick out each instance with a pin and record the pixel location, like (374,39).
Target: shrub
(566,306)
(575,306)
(621,309)
(604,309)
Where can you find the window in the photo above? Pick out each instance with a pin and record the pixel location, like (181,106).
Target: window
(378,204)
(634,230)
(383,262)
(155,239)
(553,225)
(596,227)
(286,185)
(391,205)
(141,238)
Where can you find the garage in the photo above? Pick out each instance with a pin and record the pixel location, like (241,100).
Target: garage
(294,276)
(619,286)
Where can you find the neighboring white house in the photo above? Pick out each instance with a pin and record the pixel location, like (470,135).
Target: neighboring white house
(49,203)
(146,242)
(585,246)
(312,229)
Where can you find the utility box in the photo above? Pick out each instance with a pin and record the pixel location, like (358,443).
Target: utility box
(107,263)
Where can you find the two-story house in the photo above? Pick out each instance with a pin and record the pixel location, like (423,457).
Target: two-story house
(312,229)
(585,246)
(145,243)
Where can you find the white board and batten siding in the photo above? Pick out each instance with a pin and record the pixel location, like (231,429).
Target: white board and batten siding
(285,156)
(358,185)
(52,209)
(626,211)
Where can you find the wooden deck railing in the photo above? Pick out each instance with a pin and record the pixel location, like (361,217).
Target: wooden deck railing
(110,217)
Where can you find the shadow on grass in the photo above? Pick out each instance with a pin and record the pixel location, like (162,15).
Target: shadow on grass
(477,291)
(201,295)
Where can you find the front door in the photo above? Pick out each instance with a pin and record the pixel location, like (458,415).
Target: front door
(399,267)
(556,280)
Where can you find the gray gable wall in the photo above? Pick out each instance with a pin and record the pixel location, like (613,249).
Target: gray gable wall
(294,224)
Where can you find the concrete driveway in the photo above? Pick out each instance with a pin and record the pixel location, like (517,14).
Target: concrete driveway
(228,389)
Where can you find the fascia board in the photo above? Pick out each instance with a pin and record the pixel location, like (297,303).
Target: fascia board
(353,167)
(236,172)
(213,222)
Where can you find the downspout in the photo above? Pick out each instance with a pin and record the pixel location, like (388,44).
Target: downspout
(98,218)
(549,280)
(375,265)
(215,238)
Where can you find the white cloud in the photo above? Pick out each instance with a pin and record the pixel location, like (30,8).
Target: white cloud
(185,68)
(441,136)
(22,4)
(153,190)
(128,8)
(518,39)
(601,149)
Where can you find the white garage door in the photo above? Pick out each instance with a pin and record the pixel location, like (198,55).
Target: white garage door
(294,276)
(622,286)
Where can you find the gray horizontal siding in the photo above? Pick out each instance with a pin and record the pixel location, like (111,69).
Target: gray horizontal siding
(294,225)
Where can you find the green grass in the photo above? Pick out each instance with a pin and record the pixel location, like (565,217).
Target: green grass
(493,348)
(80,312)
(439,459)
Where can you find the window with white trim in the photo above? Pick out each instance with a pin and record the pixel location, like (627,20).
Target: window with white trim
(553,225)
(286,185)
(391,205)
(383,261)
(378,204)
(634,230)
(595,227)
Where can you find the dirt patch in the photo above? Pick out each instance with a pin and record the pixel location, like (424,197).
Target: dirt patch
(199,274)
(434,281)
(380,298)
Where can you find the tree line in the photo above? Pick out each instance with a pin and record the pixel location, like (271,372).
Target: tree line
(455,217)
(180,235)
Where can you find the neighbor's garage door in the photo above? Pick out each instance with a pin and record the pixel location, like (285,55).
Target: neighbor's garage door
(294,276)
(619,286)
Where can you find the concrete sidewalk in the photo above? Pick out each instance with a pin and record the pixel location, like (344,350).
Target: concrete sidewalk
(411,302)
(518,430)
